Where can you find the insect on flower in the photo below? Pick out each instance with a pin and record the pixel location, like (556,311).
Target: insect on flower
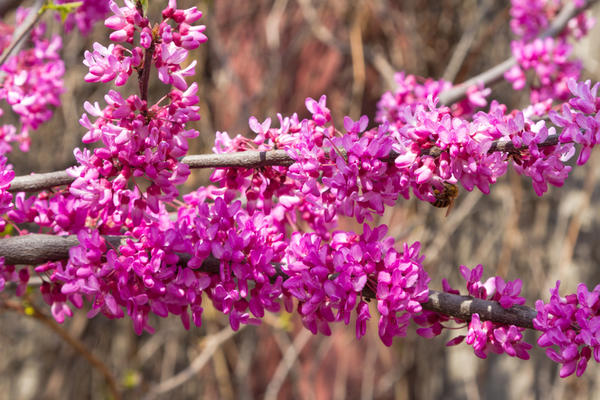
(445,198)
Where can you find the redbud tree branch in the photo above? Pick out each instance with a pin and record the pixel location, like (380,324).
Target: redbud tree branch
(34,249)
(35,13)
(37,248)
(242,159)
(496,73)
(256,159)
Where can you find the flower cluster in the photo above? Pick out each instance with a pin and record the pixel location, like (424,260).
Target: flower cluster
(580,119)
(301,195)
(413,90)
(139,140)
(570,323)
(31,82)
(86,15)
(245,246)
(121,187)
(331,279)
(435,144)
(484,336)
(548,57)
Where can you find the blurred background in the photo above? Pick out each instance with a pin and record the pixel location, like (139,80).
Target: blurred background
(265,57)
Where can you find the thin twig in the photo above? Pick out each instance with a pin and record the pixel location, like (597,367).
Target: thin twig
(286,364)
(212,344)
(462,48)
(75,343)
(35,13)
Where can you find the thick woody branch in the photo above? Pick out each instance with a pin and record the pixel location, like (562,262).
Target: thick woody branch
(243,159)
(35,249)
(496,73)
(463,307)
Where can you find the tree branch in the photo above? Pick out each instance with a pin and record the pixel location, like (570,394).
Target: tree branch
(35,13)
(257,159)
(34,249)
(242,159)
(496,73)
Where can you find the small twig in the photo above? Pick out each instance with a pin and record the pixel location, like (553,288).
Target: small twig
(35,13)
(357,52)
(75,343)
(212,344)
(462,48)
(144,74)
(286,364)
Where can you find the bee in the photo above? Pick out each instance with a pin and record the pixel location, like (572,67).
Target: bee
(445,198)
(517,157)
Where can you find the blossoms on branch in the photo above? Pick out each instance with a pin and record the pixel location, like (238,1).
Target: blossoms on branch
(547,56)
(569,327)
(484,336)
(329,280)
(140,140)
(580,119)
(231,244)
(31,82)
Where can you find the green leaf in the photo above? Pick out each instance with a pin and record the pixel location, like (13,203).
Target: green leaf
(63,9)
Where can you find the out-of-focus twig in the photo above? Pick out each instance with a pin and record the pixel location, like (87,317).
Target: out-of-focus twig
(75,343)
(212,343)
(576,220)
(367,384)
(35,13)
(286,363)
(272,23)
(455,219)
(358,60)
(464,44)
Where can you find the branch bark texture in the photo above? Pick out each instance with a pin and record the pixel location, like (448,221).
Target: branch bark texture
(242,159)
(35,249)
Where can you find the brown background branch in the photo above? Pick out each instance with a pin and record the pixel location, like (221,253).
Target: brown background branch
(72,341)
